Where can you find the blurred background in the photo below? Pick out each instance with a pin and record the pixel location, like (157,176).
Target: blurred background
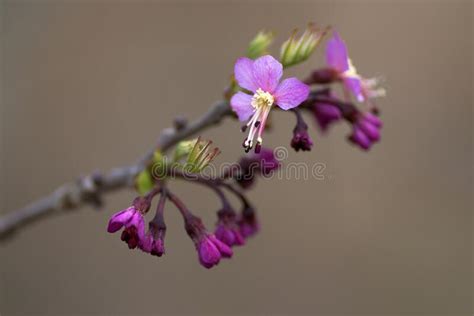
(88,85)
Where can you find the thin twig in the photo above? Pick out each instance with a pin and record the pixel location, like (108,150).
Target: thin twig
(90,189)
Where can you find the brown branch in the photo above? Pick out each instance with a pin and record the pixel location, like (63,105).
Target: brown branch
(90,189)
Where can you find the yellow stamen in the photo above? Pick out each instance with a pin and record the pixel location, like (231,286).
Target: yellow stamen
(262,99)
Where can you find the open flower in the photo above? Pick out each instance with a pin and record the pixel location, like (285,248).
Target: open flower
(261,77)
(337,57)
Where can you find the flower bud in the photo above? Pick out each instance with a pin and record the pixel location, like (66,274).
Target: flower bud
(296,50)
(259,45)
(200,155)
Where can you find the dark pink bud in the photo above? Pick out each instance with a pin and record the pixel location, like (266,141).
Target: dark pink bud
(301,139)
(227,229)
(359,138)
(262,163)
(209,254)
(369,129)
(210,249)
(324,76)
(326,114)
(373,119)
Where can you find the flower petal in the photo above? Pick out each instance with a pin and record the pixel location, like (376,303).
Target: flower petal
(375,120)
(336,53)
(241,104)
(138,222)
(145,244)
(353,84)
(326,114)
(370,130)
(209,254)
(118,220)
(267,72)
(243,72)
(290,93)
(358,137)
(225,250)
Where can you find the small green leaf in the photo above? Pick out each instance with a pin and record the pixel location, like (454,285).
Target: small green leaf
(144,182)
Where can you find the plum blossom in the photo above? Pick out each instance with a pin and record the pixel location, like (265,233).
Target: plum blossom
(262,78)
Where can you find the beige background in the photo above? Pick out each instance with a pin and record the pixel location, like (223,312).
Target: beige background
(89,84)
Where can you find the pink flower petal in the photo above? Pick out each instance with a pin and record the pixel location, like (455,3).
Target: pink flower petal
(355,87)
(370,130)
(138,222)
(375,120)
(336,53)
(209,254)
(267,72)
(244,75)
(290,93)
(241,104)
(145,244)
(358,137)
(118,220)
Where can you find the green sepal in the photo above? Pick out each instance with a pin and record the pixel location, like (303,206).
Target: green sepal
(259,44)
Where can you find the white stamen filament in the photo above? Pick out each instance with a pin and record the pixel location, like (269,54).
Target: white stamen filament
(262,102)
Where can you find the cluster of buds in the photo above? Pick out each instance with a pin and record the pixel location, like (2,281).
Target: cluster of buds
(232,228)
(327,108)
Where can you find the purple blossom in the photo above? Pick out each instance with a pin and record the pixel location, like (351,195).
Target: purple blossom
(366,130)
(263,163)
(132,219)
(326,114)
(262,78)
(337,57)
